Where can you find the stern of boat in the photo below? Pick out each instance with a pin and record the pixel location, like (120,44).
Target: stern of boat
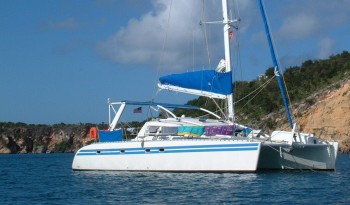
(303,152)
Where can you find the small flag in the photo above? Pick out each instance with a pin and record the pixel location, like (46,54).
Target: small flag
(138,110)
(231,34)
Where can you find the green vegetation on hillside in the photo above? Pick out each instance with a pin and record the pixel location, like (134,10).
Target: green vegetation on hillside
(301,81)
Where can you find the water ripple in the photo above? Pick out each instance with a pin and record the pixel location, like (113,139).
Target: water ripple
(48,179)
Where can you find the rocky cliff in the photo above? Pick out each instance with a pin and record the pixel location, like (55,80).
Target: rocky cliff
(326,114)
(329,116)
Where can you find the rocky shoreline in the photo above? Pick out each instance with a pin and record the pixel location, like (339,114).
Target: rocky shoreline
(60,138)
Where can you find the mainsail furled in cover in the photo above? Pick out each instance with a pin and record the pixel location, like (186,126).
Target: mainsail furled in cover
(207,83)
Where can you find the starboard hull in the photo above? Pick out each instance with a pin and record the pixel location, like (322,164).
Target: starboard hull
(170,156)
(276,156)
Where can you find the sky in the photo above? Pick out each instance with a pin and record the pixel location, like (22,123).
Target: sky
(60,61)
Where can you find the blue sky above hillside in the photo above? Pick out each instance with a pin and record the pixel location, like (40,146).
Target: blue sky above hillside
(61,60)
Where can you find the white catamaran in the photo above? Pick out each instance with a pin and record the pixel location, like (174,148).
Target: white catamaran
(204,144)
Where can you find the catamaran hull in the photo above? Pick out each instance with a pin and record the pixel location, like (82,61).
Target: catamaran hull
(301,157)
(170,156)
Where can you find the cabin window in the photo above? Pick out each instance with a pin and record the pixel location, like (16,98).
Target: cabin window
(161,149)
(148,150)
(122,151)
(98,151)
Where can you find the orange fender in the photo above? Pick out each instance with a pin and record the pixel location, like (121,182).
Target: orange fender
(93,133)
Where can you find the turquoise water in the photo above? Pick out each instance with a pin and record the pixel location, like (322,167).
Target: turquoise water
(48,179)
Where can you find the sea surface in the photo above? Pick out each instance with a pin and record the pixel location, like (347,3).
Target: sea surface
(49,179)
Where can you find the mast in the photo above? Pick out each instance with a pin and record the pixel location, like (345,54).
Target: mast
(208,83)
(226,21)
(275,63)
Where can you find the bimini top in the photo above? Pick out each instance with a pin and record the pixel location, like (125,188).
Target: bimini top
(151,103)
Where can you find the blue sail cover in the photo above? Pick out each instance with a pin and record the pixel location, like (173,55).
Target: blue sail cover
(205,80)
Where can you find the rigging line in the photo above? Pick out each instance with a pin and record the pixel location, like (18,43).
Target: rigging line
(193,42)
(259,88)
(279,65)
(205,33)
(238,54)
(193,50)
(290,103)
(124,122)
(163,49)
(236,41)
(238,61)
(220,109)
(236,10)
(284,82)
